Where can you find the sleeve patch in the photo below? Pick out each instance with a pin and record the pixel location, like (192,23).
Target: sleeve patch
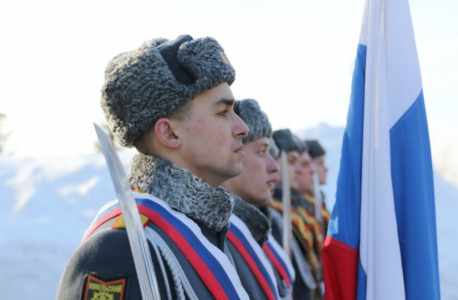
(99,289)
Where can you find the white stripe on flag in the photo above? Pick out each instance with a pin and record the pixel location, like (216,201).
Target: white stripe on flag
(392,84)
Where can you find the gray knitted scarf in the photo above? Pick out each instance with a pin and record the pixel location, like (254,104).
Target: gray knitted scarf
(183,191)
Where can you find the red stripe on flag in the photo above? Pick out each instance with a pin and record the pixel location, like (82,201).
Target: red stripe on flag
(251,264)
(340,270)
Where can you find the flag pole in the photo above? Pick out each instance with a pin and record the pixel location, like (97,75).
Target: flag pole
(286,199)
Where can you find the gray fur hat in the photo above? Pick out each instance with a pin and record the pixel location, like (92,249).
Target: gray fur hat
(285,140)
(315,149)
(153,81)
(256,120)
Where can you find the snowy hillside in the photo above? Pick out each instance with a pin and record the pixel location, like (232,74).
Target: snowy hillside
(46,204)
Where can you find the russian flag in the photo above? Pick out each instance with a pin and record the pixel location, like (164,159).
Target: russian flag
(381,241)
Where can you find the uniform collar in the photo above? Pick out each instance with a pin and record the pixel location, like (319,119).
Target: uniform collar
(183,191)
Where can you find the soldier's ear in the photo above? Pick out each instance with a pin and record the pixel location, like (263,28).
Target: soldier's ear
(165,132)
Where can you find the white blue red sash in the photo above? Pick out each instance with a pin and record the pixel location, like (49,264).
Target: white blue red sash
(212,265)
(280,260)
(240,236)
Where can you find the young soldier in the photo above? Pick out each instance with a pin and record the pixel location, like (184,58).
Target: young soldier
(304,257)
(252,193)
(314,158)
(317,153)
(304,205)
(305,172)
(172,101)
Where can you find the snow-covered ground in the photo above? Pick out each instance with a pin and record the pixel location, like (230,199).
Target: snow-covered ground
(46,204)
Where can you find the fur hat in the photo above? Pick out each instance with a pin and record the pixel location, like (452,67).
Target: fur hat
(301,145)
(285,140)
(315,149)
(273,149)
(153,81)
(256,120)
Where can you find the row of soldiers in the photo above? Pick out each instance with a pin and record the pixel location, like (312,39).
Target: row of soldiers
(207,185)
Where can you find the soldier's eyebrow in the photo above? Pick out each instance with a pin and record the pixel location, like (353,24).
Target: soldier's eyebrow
(225,102)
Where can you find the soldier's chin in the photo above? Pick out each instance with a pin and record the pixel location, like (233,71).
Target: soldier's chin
(233,170)
(272,190)
(239,168)
(266,201)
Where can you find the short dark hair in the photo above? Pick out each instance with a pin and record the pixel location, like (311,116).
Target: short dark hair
(143,142)
(181,113)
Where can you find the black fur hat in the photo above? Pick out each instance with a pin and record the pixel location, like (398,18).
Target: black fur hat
(315,149)
(256,120)
(285,140)
(153,81)
(301,145)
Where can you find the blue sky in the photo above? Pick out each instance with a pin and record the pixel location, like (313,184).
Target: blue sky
(295,57)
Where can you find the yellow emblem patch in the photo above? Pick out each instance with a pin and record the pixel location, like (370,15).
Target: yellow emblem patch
(97,289)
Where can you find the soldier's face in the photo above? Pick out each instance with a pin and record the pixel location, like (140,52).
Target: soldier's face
(212,140)
(259,175)
(293,167)
(305,173)
(321,169)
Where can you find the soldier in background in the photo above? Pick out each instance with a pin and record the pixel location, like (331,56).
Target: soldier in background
(304,256)
(316,160)
(252,194)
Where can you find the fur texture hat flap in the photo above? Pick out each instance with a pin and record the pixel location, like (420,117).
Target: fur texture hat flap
(153,81)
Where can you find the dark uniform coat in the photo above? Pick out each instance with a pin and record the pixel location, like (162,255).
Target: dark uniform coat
(104,264)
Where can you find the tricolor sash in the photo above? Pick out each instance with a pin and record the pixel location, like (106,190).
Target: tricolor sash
(280,261)
(210,263)
(107,212)
(240,236)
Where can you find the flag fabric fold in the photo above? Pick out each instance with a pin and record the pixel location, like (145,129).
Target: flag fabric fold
(381,241)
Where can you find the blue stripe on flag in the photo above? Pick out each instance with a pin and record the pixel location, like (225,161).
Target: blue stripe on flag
(362,282)
(348,196)
(412,176)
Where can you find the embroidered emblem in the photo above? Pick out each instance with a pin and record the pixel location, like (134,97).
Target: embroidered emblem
(98,289)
